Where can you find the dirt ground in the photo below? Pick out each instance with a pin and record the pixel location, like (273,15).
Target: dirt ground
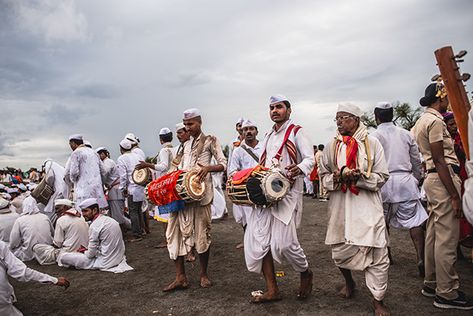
(139,292)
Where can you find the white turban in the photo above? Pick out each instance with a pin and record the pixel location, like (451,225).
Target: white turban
(248,123)
(64,202)
(126,144)
(76,137)
(350,108)
(100,149)
(240,121)
(190,114)
(12,190)
(384,105)
(164,131)
(88,203)
(22,187)
(4,205)
(277,98)
(30,206)
(132,138)
(179,126)
(87,143)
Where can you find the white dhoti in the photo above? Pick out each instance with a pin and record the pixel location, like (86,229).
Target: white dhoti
(405,215)
(309,186)
(187,229)
(241,213)
(81,261)
(264,232)
(373,261)
(218,206)
(45,254)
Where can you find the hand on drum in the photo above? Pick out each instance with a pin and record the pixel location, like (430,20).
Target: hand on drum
(143,164)
(293,171)
(204,170)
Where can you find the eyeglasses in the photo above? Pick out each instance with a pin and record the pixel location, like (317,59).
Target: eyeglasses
(342,118)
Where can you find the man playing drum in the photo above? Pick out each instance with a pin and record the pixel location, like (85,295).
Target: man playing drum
(244,157)
(271,232)
(191,226)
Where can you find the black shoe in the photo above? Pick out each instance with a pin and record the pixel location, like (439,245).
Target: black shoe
(428,291)
(461,302)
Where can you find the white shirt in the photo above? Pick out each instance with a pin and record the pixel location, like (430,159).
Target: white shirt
(57,172)
(164,160)
(106,244)
(404,164)
(27,231)
(305,161)
(468,184)
(242,160)
(71,232)
(110,172)
(126,164)
(86,169)
(16,269)
(6,224)
(138,151)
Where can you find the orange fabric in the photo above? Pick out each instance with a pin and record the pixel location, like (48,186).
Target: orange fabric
(162,191)
(314,175)
(352,151)
(241,176)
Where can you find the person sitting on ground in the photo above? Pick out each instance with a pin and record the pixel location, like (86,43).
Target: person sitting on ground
(7,219)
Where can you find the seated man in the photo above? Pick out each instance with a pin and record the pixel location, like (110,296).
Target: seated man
(105,250)
(70,234)
(7,219)
(12,266)
(31,228)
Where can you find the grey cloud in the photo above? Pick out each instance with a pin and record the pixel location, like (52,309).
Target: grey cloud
(99,91)
(65,115)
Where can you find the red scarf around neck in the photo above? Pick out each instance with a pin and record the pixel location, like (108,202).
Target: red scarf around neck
(352,151)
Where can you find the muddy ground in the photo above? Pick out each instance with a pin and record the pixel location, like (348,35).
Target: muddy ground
(139,292)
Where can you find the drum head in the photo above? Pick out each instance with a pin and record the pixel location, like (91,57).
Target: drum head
(275,186)
(194,188)
(140,176)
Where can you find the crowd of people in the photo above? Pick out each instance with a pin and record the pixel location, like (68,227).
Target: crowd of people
(81,215)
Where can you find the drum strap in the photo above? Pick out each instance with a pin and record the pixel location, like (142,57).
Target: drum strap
(252,154)
(200,147)
(291,148)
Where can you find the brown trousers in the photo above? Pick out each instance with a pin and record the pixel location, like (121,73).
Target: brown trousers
(441,238)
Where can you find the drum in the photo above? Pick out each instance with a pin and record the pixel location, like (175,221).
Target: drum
(142,176)
(257,186)
(172,190)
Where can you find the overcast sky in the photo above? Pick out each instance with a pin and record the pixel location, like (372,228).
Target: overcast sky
(105,68)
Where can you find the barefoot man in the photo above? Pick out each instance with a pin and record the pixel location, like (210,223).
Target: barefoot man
(353,169)
(191,226)
(271,232)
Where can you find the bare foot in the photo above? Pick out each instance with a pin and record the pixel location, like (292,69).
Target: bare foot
(266,297)
(240,246)
(306,285)
(190,257)
(178,284)
(162,244)
(380,309)
(347,290)
(205,282)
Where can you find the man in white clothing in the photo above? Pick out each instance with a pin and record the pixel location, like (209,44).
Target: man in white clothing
(353,170)
(7,219)
(15,268)
(111,180)
(54,173)
(135,145)
(85,171)
(468,195)
(70,234)
(133,192)
(271,232)
(401,194)
(244,157)
(31,228)
(105,250)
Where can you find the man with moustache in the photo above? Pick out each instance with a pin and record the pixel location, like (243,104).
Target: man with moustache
(244,157)
(353,169)
(191,227)
(271,231)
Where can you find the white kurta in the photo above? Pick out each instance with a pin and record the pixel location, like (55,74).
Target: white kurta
(105,250)
(126,163)
(57,172)
(116,200)
(274,228)
(139,152)
(405,171)
(242,160)
(70,234)
(86,171)
(468,184)
(15,268)
(28,231)
(355,219)
(6,224)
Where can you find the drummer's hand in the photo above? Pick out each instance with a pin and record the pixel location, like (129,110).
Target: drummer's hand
(62,281)
(293,170)
(204,170)
(336,176)
(142,165)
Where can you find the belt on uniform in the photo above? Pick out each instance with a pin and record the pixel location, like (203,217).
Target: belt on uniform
(455,168)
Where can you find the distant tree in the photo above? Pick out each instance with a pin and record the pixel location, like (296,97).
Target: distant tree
(405,116)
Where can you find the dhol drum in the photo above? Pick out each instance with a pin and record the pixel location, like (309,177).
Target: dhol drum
(142,176)
(172,190)
(257,186)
